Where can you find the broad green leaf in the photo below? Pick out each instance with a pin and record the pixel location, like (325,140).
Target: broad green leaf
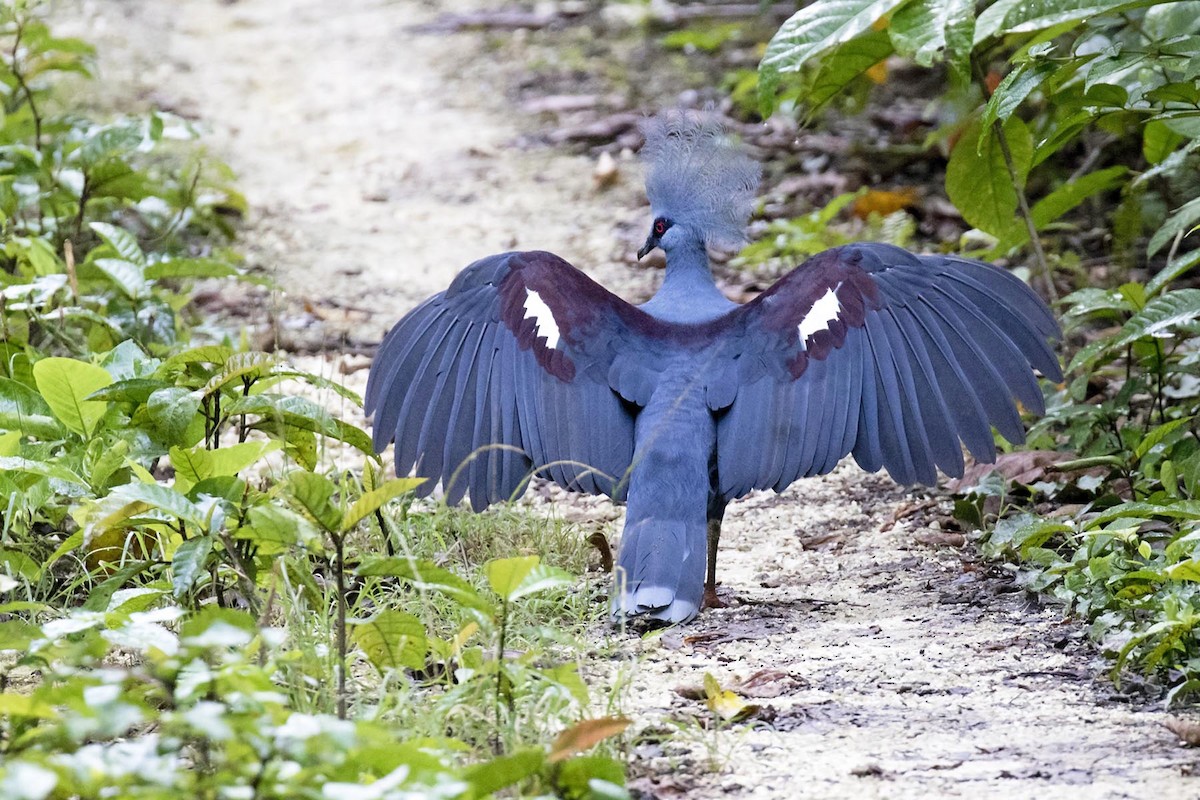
(280,412)
(135,499)
(275,529)
(125,275)
(426,575)
(392,639)
(820,27)
(1156,436)
(22,409)
(505,575)
(208,354)
(15,704)
(541,578)
(130,390)
(1184,571)
(930,30)
(195,464)
(845,63)
(1012,91)
(1172,271)
(371,501)
(108,142)
(1159,141)
(978,181)
(491,776)
(1181,222)
(45,468)
(1024,16)
(1071,194)
(1180,509)
(121,240)
(315,494)
(239,367)
(64,384)
(171,411)
(188,563)
(1159,316)
(10,443)
(190,268)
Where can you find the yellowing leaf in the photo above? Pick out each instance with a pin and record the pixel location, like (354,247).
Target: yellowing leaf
(584,735)
(725,704)
(881,202)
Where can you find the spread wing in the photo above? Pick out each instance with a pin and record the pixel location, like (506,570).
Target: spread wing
(505,374)
(871,350)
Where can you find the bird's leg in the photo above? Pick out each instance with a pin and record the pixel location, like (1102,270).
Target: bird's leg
(716,510)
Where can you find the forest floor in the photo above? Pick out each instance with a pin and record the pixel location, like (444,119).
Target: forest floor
(378,158)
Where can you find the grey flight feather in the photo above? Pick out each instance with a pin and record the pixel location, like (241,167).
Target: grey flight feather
(696,176)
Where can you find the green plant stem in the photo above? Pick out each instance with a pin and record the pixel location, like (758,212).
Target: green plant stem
(500,662)
(1023,207)
(340,573)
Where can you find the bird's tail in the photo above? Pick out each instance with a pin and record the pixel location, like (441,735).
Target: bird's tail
(660,572)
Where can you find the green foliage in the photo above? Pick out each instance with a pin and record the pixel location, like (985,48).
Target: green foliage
(1111,74)
(1043,84)
(183,610)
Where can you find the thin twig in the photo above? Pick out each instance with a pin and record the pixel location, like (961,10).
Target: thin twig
(1023,207)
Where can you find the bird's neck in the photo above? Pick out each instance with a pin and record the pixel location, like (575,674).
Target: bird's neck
(688,292)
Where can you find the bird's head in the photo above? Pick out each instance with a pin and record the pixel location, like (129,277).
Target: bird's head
(664,233)
(701,184)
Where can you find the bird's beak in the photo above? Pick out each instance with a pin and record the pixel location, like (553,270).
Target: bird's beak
(651,243)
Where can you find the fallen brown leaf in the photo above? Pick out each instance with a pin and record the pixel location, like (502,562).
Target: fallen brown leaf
(1187,730)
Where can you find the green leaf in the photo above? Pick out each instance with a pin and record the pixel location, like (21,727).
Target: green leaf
(196,464)
(541,578)
(978,181)
(1071,194)
(492,776)
(64,383)
(505,575)
(125,275)
(121,240)
(44,468)
(315,494)
(1007,17)
(392,639)
(108,142)
(22,409)
(190,268)
(171,411)
(371,501)
(290,411)
(1180,509)
(930,30)
(1160,315)
(1159,141)
(135,499)
(1181,221)
(188,563)
(1156,436)
(1012,91)
(1172,271)
(820,27)
(241,366)
(428,576)
(845,63)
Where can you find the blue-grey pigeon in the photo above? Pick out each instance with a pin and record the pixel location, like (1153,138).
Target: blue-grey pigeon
(526,366)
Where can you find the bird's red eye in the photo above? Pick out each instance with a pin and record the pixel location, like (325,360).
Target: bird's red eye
(660,227)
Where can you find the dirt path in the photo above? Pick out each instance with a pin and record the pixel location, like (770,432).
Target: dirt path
(373,175)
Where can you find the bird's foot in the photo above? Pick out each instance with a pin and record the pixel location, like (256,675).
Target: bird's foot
(711,600)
